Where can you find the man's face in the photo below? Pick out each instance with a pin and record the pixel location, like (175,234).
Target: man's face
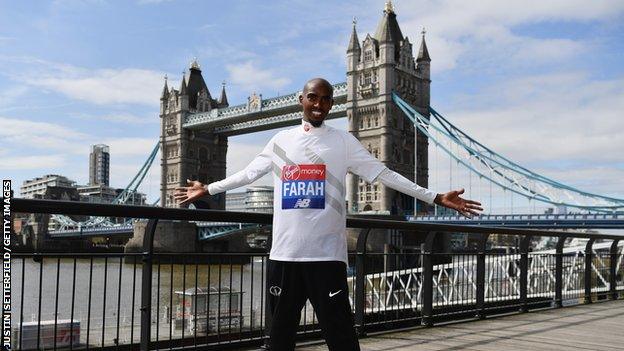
(316,101)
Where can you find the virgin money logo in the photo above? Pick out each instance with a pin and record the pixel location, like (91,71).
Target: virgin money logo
(291,172)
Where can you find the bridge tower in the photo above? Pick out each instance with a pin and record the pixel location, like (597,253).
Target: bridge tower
(189,154)
(379,65)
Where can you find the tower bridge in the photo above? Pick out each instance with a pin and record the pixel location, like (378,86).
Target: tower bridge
(386,100)
(195,127)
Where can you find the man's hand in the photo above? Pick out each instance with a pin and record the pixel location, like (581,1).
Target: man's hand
(452,200)
(190,193)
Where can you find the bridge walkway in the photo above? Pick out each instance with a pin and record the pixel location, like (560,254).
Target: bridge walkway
(596,326)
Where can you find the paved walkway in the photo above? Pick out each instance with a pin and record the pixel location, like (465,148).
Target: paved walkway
(599,326)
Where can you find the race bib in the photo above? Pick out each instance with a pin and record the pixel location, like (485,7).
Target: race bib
(303,186)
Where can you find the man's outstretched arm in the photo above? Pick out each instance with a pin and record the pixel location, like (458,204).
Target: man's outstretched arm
(450,199)
(362,163)
(258,167)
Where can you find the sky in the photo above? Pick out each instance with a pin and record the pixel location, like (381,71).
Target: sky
(540,82)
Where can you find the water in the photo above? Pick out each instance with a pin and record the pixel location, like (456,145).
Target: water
(107,293)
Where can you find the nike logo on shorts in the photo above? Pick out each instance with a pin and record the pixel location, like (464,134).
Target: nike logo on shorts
(331,294)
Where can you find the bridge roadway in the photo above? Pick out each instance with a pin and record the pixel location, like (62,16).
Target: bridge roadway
(280,111)
(211,230)
(596,326)
(542,221)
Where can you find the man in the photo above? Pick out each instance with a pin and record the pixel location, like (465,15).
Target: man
(308,257)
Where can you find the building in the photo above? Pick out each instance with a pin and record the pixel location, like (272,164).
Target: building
(39,185)
(377,66)
(259,199)
(99,165)
(98,193)
(198,155)
(235,202)
(254,199)
(105,194)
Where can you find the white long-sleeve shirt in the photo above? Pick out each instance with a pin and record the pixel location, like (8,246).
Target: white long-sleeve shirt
(309,167)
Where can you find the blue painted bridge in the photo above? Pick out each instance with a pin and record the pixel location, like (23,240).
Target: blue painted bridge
(215,230)
(542,221)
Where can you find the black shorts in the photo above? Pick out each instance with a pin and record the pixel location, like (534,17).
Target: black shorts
(324,283)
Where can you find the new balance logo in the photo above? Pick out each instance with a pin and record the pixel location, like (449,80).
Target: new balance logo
(302,203)
(331,294)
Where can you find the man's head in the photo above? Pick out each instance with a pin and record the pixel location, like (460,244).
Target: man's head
(317,99)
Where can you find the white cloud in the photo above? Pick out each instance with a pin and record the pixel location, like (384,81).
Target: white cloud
(566,126)
(123,147)
(128,118)
(218,50)
(23,134)
(278,37)
(35,146)
(461,18)
(457,29)
(10,95)
(100,86)
(248,76)
(106,86)
(603,180)
(12,163)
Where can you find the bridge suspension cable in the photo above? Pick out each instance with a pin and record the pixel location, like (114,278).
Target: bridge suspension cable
(501,171)
(123,197)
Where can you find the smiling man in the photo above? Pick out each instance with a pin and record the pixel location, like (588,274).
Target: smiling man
(308,258)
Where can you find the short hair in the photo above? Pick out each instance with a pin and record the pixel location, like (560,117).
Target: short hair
(318,80)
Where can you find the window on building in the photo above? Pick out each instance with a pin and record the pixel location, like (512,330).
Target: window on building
(368,55)
(367,78)
(203,153)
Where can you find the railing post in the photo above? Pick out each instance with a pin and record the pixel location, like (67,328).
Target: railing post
(360,281)
(480,303)
(613,269)
(427,280)
(524,271)
(588,270)
(268,313)
(559,271)
(146,284)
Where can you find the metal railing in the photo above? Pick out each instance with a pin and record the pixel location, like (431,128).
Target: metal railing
(157,300)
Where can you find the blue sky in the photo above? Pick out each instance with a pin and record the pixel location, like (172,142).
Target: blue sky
(542,83)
